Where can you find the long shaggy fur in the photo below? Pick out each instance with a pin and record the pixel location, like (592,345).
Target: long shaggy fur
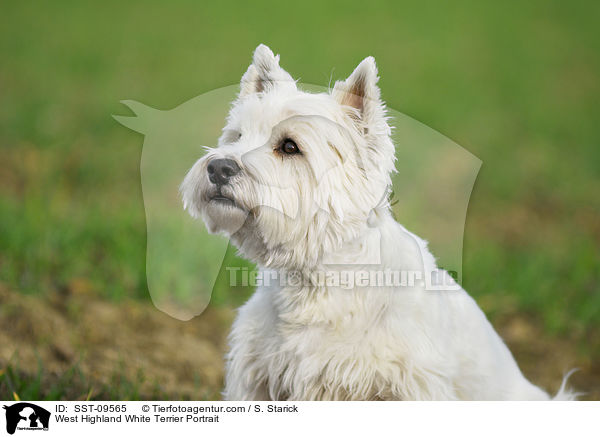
(326,209)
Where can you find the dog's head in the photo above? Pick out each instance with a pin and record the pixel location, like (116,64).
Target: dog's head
(295,174)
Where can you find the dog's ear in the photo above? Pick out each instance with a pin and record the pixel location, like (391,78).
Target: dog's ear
(361,94)
(265,74)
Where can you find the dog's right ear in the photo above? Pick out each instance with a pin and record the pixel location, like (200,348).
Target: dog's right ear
(265,74)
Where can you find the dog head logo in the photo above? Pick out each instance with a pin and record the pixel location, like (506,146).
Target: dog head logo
(296,171)
(26,416)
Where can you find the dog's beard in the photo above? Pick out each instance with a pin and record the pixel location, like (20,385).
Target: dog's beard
(223,212)
(261,233)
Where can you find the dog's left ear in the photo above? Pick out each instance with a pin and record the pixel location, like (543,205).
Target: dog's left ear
(361,93)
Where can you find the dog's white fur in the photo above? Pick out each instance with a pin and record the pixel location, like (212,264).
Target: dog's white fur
(325,208)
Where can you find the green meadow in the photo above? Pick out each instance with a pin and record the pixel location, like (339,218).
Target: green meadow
(516,84)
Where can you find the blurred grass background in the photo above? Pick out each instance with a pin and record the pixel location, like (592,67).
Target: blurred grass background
(515,83)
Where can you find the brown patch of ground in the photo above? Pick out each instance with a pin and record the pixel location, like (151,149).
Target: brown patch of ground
(544,360)
(113,343)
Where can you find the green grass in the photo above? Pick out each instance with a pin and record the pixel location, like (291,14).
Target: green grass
(516,84)
(73,384)
(69,385)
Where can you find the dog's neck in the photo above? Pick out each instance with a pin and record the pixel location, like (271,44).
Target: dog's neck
(363,250)
(358,253)
(303,295)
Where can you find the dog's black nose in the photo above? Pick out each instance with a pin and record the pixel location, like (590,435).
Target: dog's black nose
(221,170)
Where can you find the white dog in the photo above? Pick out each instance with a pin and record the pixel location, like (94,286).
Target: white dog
(299,183)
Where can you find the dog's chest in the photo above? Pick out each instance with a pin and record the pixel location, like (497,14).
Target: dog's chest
(345,346)
(346,356)
(306,366)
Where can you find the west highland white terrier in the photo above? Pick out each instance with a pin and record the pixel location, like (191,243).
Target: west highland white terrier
(299,182)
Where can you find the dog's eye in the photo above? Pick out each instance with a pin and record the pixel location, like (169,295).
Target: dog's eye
(289,147)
